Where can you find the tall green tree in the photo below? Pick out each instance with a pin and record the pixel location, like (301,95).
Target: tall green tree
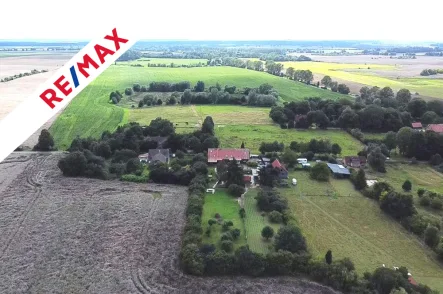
(326,81)
(403,96)
(235,174)
(267,232)
(208,125)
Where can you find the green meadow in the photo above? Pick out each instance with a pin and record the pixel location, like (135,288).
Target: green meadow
(91,113)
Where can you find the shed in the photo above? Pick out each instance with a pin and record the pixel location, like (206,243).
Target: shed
(417,125)
(339,170)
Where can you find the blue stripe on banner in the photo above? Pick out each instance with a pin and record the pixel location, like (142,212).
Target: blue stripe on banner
(74,76)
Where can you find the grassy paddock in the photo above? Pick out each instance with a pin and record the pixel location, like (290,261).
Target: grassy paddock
(354,226)
(233,136)
(254,223)
(228,208)
(90,113)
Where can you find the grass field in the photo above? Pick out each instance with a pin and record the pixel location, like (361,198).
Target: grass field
(228,208)
(90,113)
(354,226)
(254,223)
(359,73)
(233,136)
(167,61)
(187,118)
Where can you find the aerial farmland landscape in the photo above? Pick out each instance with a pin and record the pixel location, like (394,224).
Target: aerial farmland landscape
(228,167)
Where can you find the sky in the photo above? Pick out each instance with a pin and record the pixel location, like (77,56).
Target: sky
(389,20)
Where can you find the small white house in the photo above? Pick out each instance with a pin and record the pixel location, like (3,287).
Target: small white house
(294,182)
(302,160)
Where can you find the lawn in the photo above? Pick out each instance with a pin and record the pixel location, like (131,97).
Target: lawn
(254,223)
(354,226)
(228,208)
(233,135)
(359,73)
(90,113)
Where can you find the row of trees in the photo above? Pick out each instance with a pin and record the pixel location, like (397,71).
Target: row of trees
(347,114)
(20,75)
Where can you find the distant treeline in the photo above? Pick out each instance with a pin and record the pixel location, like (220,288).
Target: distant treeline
(430,72)
(32,72)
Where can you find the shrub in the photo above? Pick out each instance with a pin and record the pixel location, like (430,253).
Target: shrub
(242,212)
(226,236)
(134,178)
(425,201)
(407,186)
(128,91)
(320,172)
(227,245)
(275,217)
(436,159)
(291,239)
(436,203)
(236,190)
(420,192)
(431,236)
(73,165)
(235,233)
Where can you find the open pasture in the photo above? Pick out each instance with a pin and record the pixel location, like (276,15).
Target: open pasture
(90,113)
(354,226)
(231,136)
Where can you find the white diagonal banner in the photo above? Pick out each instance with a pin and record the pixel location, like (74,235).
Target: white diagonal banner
(61,88)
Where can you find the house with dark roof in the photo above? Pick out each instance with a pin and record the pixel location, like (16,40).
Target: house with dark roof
(218,154)
(354,161)
(438,128)
(155,155)
(339,171)
(283,172)
(417,125)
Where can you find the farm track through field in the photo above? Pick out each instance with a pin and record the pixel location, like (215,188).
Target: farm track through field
(34,180)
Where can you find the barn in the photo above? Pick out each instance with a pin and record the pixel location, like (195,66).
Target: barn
(339,171)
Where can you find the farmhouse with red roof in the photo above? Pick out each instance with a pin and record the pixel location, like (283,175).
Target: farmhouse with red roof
(417,125)
(438,128)
(217,154)
(283,171)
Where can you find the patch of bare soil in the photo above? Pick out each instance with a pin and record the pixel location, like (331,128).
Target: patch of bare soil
(75,235)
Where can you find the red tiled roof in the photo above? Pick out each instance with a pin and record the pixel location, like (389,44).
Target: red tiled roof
(358,159)
(216,154)
(438,128)
(276,164)
(412,281)
(417,125)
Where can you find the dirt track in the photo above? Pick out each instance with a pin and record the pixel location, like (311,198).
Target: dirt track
(67,235)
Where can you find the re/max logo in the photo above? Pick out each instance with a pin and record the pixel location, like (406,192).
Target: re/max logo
(49,96)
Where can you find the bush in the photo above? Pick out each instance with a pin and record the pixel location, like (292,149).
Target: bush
(320,172)
(227,245)
(128,91)
(436,159)
(73,165)
(236,190)
(436,203)
(291,239)
(420,192)
(242,212)
(235,233)
(275,217)
(407,186)
(425,201)
(134,178)
(227,236)
(431,236)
